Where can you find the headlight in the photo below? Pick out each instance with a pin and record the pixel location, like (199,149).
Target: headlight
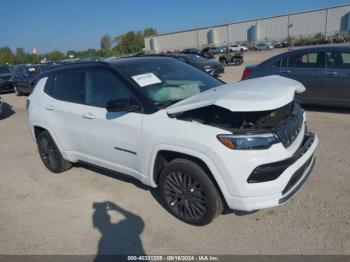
(246,142)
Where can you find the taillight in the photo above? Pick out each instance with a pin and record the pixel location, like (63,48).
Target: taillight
(246,72)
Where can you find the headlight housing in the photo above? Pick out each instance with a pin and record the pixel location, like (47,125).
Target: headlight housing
(248,142)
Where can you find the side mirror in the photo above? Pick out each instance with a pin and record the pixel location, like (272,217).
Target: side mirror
(122,105)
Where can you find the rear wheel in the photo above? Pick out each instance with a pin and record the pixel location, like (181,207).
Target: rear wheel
(50,154)
(188,192)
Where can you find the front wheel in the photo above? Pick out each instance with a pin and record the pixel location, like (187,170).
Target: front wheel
(50,154)
(224,62)
(189,193)
(15,89)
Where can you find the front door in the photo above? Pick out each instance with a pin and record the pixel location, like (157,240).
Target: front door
(113,139)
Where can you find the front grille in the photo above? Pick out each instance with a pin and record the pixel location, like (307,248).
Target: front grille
(290,130)
(5,78)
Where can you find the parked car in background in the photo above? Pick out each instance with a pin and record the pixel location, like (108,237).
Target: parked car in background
(210,66)
(203,144)
(238,48)
(25,76)
(191,51)
(5,79)
(1,106)
(231,58)
(281,44)
(324,70)
(263,46)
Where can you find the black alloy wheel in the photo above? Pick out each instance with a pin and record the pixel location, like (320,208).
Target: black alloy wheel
(185,196)
(188,192)
(50,154)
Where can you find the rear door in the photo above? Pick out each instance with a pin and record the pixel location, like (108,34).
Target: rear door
(65,94)
(335,84)
(304,67)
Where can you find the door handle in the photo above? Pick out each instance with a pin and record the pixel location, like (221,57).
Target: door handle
(285,71)
(331,73)
(88,116)
(50,108)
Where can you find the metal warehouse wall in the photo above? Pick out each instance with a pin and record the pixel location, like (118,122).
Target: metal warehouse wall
(327,21)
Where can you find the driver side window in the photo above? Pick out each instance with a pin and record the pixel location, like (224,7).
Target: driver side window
(102,87)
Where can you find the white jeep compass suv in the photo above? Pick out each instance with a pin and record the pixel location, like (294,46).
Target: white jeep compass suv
(205,144)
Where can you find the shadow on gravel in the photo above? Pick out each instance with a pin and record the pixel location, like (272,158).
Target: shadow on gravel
(121,238)
(6,111)
(327,109)
(154,191)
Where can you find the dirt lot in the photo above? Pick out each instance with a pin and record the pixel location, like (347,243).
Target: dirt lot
(44,213)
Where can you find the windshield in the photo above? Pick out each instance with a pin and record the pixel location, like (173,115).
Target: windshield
(4,70)
(166,80)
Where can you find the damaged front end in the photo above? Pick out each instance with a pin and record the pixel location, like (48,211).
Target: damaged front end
(251,130)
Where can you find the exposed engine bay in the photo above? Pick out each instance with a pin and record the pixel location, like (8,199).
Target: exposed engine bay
(247,122)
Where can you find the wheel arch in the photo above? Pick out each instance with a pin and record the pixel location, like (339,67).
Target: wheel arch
(38,128)
(164,156)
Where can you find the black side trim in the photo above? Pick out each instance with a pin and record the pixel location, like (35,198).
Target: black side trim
(125,150)
(301,183)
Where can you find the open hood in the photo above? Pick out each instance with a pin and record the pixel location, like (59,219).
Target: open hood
(258,94)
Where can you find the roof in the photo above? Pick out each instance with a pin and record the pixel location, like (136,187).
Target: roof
(109,62)
(321,47)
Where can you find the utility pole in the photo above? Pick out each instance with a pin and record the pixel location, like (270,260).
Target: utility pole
(228,37)
(325,25)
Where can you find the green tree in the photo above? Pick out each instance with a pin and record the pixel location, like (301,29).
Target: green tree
(21,56)
(54,55)
(6,56)
(149,32)
(106,45)
(130,43)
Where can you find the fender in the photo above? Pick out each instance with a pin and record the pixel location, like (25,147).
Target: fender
(188,151)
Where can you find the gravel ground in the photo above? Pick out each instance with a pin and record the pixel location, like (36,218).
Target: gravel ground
(44,213)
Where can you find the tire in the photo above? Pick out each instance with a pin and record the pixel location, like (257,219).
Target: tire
(224,62)
(188,193)
(240,61)
(16,91)
(50,154)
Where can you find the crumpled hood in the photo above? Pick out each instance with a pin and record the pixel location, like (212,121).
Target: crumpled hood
(258,94)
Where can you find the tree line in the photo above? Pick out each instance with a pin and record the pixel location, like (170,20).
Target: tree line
(131,42)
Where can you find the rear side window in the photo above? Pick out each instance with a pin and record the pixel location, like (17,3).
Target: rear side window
(306,60)
(48,88)
(337,60)
(276,63)
(69,87)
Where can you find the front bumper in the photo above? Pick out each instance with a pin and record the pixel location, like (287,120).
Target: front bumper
(6,86)
(296,170)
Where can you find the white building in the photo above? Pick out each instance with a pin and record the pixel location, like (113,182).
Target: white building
(328,21)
